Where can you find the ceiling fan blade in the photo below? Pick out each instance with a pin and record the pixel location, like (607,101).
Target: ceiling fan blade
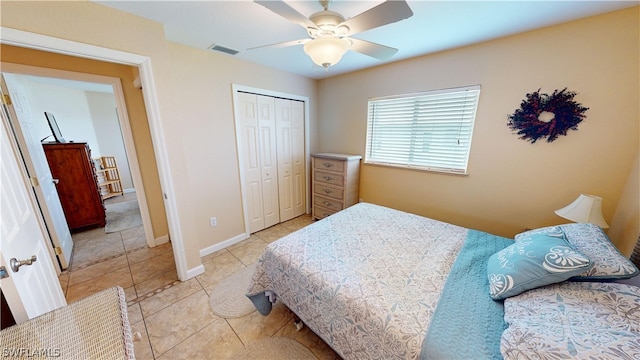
(378,51)
(283,9)
(283,44)
(388,12)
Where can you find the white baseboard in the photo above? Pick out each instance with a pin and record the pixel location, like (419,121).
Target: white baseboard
(221,245)
(161,240)
(191,273)
(129,190)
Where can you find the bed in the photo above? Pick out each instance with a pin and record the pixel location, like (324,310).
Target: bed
(378,283)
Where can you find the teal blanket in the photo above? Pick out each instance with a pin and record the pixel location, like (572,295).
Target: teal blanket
(467,323)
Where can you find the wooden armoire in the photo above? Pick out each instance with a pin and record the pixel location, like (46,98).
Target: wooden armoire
(72,166)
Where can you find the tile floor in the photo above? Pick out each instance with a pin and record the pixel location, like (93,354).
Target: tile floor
(172,317)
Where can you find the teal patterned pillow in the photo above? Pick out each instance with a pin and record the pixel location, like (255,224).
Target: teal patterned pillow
(590,239)
(539,260)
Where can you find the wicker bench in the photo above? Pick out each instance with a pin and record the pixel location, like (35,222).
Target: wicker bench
(96,327)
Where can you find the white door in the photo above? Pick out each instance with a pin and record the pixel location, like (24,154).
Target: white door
(285,157)
(250,158)
(256,117)
(268,159)
(298,158)
(22,122)
(34,289)
(291,166)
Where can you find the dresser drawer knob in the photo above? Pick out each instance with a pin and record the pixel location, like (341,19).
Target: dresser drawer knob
(328,191)
(326,203)
(328,178)
(327,165)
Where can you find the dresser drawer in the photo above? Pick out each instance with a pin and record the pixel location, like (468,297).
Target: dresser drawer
(327,203)
(329,178)
(328,190)
(320,212)
(328,164)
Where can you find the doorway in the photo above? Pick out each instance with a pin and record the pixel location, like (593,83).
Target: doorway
(81,97)
(151,103)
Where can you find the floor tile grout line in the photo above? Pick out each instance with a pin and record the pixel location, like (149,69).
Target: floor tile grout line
(99,261)
(187,338)
(152,293)
(234,332)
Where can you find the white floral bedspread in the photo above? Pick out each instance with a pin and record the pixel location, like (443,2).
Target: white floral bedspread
(573,320)
(366,280)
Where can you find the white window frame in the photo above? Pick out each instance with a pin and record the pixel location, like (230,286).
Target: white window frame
(398,127)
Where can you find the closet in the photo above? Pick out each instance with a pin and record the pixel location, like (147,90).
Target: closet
(271,147)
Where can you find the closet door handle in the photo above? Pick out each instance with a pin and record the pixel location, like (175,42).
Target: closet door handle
(55,181)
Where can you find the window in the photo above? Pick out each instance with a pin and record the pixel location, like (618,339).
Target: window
(430,130)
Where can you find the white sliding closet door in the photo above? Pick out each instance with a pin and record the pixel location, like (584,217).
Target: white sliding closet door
(290,143)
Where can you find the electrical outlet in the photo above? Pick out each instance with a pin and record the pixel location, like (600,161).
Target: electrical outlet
(213,222)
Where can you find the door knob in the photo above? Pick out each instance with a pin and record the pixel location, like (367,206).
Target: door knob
(15,263)
(55,181)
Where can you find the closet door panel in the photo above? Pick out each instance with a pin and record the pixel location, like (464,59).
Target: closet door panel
(298,158)
(285,158)
(268,160)
(251,159)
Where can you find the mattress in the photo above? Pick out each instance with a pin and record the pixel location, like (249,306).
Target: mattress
(366,280)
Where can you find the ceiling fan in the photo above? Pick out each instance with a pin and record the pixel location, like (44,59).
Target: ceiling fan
(330,32)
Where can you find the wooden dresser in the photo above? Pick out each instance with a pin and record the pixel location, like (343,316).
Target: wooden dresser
(80,197)
(336,178)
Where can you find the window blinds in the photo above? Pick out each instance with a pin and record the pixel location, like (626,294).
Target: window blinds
(430,130)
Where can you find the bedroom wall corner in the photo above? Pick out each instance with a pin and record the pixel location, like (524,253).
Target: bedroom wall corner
(625,225)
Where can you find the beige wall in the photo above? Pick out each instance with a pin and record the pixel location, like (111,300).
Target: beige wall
(202,84)
(135,111)
(512,184)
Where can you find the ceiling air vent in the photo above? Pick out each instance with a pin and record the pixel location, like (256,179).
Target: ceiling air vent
(222,49)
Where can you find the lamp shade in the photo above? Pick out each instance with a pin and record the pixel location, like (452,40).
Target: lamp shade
(585,209)
(326,50)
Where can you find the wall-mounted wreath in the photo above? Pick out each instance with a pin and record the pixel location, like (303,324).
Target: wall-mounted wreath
(544,115)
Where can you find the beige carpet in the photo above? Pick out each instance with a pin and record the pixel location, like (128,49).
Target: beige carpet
(274,348)
(122,215)
(228,299)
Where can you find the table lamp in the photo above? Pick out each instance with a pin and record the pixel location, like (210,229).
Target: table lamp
(584,209)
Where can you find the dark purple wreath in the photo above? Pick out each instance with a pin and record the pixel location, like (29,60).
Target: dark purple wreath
(567,113)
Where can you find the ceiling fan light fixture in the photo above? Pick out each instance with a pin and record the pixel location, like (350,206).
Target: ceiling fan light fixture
(326,51)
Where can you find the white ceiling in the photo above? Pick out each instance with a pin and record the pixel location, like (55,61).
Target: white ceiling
(434,26)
